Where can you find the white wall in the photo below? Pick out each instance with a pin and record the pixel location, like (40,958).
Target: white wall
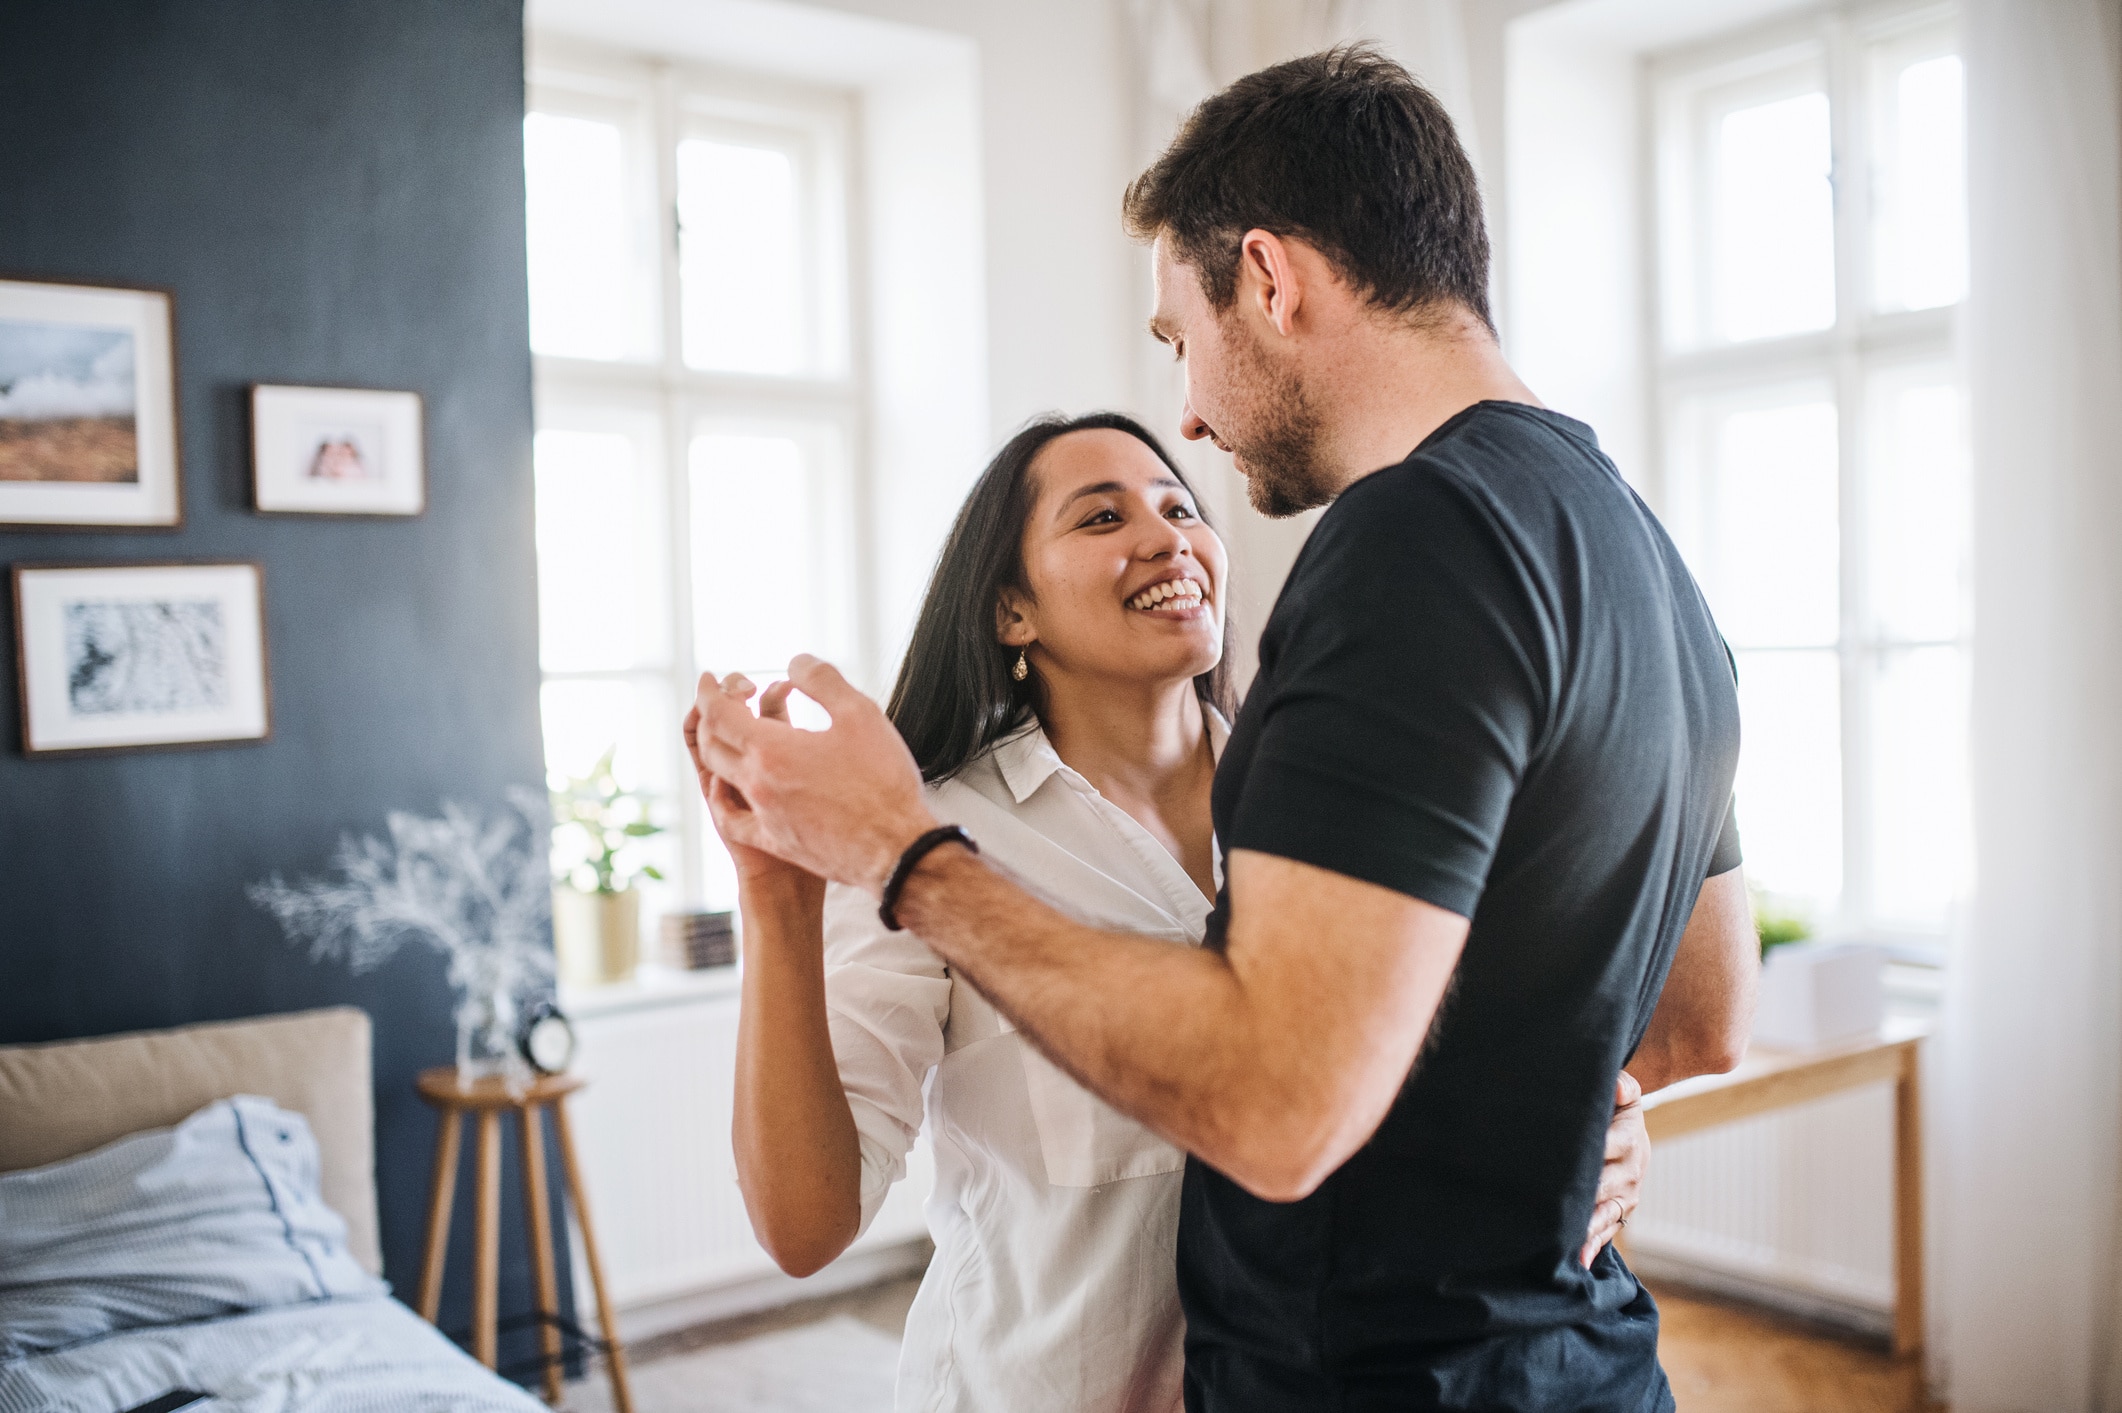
(1062,311)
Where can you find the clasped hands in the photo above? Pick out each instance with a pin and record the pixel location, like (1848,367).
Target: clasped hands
(841,804)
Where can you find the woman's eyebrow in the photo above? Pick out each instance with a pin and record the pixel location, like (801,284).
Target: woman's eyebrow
(1107,488)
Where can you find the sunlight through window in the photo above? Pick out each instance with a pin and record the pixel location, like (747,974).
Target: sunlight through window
(579,239)
(740,258)
(1921,257)
(1773,235)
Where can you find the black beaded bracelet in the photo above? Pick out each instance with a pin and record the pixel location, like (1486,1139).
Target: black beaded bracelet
(887,907)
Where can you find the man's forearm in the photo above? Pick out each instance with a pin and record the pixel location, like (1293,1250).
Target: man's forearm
(1156,1030)
(1273,1060)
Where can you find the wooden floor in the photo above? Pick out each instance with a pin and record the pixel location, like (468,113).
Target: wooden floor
(1731,1359)
(1721,1358)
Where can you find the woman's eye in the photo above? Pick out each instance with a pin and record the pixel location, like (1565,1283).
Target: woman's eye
(1182,512)
(1103,517)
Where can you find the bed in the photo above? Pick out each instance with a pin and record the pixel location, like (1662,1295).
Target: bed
(195,1209)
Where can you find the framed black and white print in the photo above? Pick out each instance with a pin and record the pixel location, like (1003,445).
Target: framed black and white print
(129,656)
(88,407)
(336,451)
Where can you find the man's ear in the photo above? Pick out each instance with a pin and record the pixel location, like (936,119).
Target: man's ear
(1267,280)
(1013,627)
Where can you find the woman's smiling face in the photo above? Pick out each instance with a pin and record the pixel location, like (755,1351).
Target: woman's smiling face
(1126,579)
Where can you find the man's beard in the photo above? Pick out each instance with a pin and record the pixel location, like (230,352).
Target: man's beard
(1282,449)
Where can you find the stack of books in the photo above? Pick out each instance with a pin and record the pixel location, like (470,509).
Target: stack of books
(695,940)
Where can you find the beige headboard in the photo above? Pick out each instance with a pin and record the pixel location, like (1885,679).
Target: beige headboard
(66,1098)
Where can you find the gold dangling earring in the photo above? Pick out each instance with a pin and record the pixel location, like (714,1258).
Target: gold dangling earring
(1023,669)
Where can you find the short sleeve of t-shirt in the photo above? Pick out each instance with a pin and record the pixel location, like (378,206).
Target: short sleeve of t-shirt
(1405,693)
(1727,855)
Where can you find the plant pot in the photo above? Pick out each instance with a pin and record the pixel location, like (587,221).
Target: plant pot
(1815,993)
(596,936)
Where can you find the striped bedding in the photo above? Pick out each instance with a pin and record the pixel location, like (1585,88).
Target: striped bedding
(202,1257)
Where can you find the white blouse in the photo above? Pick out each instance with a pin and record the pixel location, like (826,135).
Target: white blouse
(1055,1218)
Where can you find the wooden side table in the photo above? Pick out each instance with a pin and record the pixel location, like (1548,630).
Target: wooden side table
(488,1099)
(1770,1079)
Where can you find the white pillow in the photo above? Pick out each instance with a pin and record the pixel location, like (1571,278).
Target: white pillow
(217,1216)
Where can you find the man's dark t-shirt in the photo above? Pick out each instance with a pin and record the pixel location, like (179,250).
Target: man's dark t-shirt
(1489,683)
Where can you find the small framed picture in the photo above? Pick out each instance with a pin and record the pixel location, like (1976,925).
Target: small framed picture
(88,407)
(126,656)
(337,451)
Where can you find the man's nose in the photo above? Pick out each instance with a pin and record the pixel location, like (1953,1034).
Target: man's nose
(1191,426)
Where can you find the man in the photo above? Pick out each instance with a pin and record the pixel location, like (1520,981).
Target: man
(1475,808)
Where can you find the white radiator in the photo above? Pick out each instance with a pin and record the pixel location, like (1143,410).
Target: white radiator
(1792,1208)
(653,1131)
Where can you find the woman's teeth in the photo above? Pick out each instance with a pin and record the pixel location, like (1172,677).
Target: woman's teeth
(1172,593)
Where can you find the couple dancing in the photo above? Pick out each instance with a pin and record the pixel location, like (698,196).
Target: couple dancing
(1357,1134)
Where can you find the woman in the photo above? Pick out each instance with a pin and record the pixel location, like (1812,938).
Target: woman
(1066,696)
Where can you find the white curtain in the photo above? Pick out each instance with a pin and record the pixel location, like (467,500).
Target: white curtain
(2032,1207)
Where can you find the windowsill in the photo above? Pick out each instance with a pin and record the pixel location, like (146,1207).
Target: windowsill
(651,987)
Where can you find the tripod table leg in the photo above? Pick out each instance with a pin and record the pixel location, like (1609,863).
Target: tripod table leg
(622,1394)
(441,1196)
(486,1241)
(537,1210)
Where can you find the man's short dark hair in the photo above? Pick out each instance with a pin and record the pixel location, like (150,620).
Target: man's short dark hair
(1344,150)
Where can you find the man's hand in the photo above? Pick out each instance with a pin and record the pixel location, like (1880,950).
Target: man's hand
(758,872)
(842,803)
(1621,1178)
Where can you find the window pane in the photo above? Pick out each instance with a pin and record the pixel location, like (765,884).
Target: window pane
(770,564)
(1920,504)
(1772,246)
(601,593)
(740,258)
(1920,844)
(1920,251)
(1790,775)
(583,720)
(1773,518)
(579,236)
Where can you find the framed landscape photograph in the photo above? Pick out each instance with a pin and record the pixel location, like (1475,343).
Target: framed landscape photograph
(88,407)
(337,451)
(126,656)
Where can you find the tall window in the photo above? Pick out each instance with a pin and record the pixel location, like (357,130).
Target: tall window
(1811,256)
(698,407)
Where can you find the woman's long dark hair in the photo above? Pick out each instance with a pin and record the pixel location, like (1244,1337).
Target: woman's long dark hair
(955,697)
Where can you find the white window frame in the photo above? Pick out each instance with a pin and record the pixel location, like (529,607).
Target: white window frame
(663,101)
(1686,365)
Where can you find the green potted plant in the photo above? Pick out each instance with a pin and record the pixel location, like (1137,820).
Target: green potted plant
(598,826)
(1776,925)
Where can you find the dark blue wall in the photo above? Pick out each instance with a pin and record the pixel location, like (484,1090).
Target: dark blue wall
(334,192)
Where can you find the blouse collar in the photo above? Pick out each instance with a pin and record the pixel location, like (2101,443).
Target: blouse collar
(1027,759)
